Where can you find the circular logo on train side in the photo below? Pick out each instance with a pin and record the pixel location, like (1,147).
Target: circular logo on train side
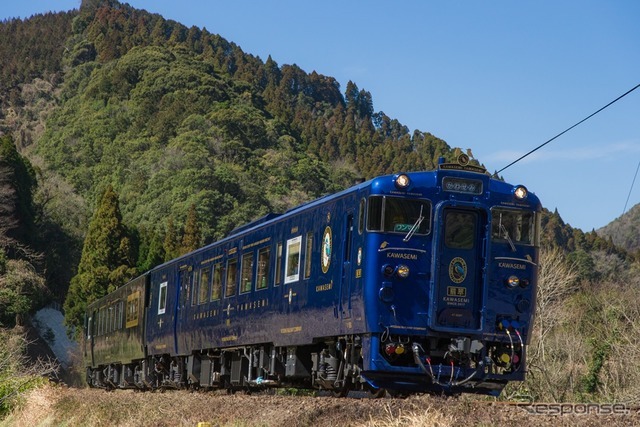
(326,250)
(457,270)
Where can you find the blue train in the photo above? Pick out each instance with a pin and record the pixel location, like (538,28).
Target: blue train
(413,282)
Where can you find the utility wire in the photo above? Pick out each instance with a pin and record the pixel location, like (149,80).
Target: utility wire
(631,189)
(568,129)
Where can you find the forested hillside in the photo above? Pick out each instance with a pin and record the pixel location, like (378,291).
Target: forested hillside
(174,117)
(117,122)
(625,230)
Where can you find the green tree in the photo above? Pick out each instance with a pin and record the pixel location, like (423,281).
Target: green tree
(17,184)
(170,245)
(191,238)
(106,261)
(22,289)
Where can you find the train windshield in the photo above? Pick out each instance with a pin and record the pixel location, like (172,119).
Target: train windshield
(514,227)
(399,215)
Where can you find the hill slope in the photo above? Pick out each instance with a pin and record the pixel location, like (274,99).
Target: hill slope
(625,230)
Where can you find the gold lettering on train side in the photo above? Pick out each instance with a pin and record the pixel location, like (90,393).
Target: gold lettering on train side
(160,346)
(325,287)
(215,258)
(456,291)
(229,338)
(259,242)
(291,330)
(358,273)
(294,229)
(232,251)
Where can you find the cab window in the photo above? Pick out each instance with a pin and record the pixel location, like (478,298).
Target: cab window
(517,227)
(399,215)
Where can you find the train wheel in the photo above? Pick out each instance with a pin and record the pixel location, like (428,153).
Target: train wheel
(342,391)
(377,393)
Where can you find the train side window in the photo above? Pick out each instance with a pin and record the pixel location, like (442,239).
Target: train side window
(120,314)
(216,286)
(278,264)
(162,298)
(133,304)
(185,287)
(307,256)
(99,328)
(361,215)
(232,276)
(264,262)
(292,260)
(246,277)
(195,289)
(89,327)
(203,295)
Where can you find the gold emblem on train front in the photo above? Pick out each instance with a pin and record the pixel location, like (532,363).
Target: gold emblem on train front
(457,270)
(326,250)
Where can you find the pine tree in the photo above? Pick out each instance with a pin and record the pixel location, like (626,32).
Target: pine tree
(106,261)
(191,238)
(170,245)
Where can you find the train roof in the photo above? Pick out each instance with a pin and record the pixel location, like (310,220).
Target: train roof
(461,166)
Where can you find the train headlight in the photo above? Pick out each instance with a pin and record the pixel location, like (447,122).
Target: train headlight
(513,282)
(403,271)
(388,270)
(402,181)
(520,192)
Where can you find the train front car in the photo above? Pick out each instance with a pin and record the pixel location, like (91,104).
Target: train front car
(451,270)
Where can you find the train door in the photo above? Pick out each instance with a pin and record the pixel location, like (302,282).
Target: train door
(88,348)
(183,298)
(347,268)
(458,289)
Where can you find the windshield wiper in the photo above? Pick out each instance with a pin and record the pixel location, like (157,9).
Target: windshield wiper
(415,226)
(506,236)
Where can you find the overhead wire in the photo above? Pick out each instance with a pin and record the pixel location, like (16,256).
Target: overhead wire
(568,129)
(631,189)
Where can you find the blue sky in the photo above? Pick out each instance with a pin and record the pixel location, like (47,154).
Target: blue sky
(500,77)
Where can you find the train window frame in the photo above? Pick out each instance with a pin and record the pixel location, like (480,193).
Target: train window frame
(263,268)
(195,289)
(362,215)
(231,286)
(204,284)
(246,273)
(278,272)
(162,298)
(377,213)
(89,327)
(120,310)
(217,279)
(133,309)
(308,255)
(292,260)
(515,238)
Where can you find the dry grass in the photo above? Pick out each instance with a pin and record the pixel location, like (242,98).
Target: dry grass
(59,406)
